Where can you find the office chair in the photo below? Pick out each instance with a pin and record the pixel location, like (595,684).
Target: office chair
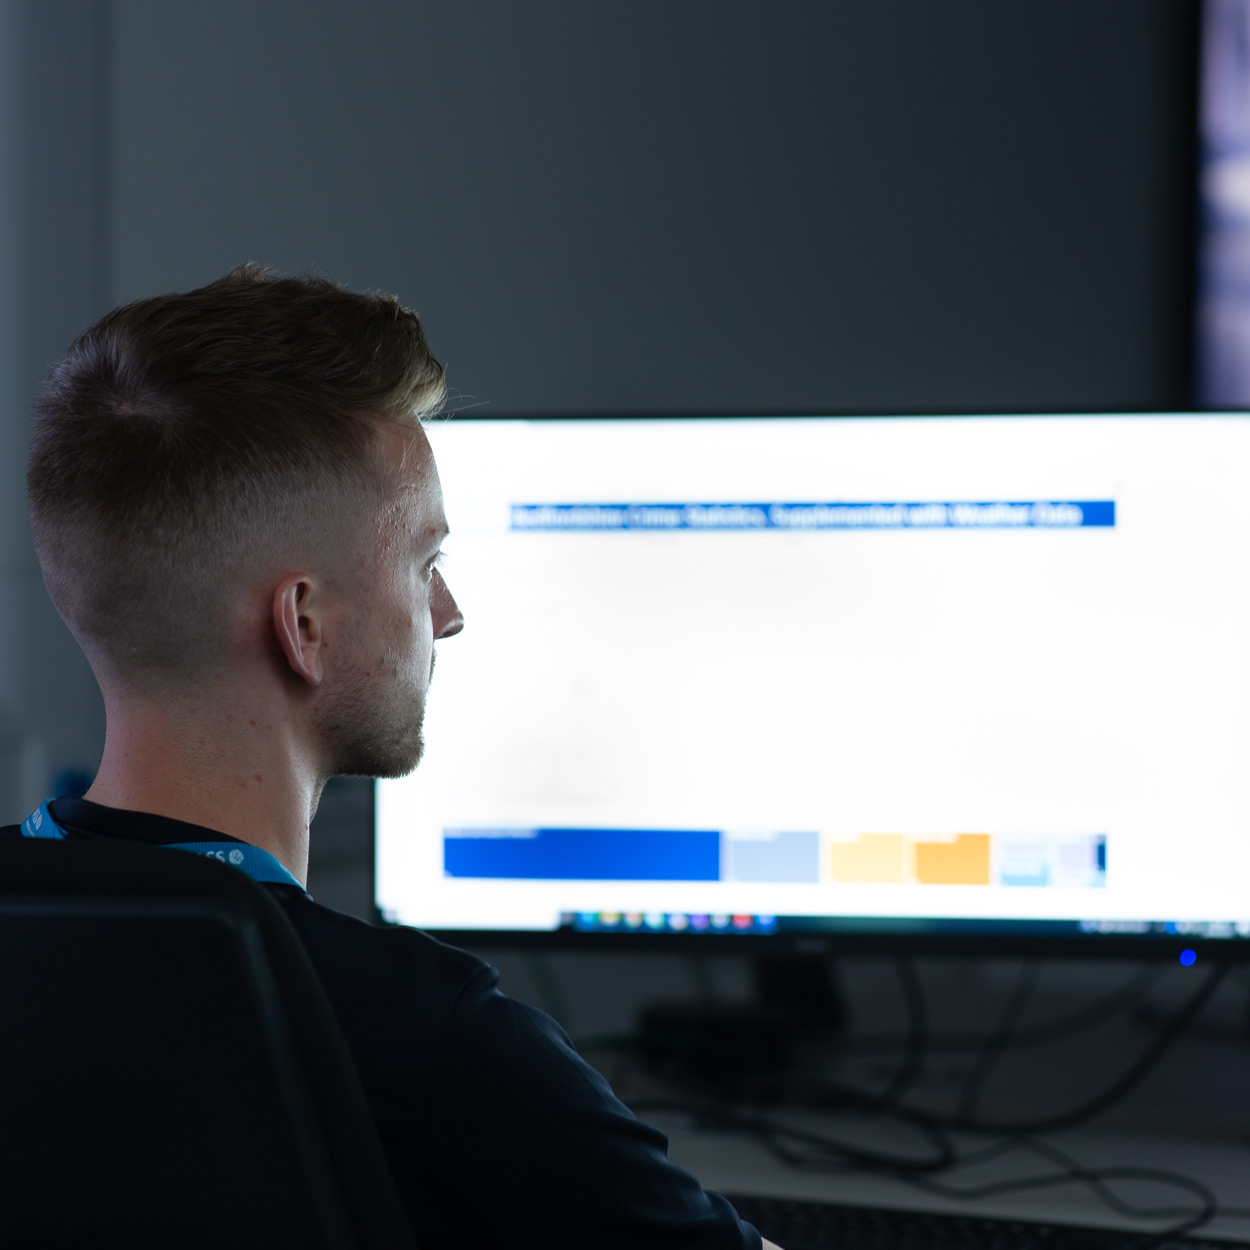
(171,1072)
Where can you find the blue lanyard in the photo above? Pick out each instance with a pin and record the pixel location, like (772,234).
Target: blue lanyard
(258,864)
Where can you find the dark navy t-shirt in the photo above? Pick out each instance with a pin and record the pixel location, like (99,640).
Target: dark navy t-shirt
(497,1132)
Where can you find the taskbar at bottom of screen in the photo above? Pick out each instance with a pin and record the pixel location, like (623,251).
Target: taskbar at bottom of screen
(746,924)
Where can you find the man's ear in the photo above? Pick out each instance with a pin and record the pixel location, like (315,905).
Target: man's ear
(299,626)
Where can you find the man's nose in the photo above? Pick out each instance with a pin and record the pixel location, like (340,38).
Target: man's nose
(448,618)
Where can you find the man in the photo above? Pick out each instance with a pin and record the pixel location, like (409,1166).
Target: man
(239,517)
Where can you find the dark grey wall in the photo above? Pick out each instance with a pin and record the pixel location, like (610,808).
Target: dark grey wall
(885,204)
(53,122)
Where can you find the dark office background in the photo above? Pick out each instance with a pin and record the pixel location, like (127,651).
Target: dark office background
(855,206)
(704,206)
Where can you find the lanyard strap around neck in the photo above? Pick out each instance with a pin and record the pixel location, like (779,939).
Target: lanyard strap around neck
(258,864)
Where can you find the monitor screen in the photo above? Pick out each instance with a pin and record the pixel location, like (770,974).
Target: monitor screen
(841,675)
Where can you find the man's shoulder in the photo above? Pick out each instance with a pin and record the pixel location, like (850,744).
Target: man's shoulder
(390,953)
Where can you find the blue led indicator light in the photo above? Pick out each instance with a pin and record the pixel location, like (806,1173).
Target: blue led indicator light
(1188,958)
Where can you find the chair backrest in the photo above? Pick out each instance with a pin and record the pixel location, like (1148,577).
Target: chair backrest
(171,1072)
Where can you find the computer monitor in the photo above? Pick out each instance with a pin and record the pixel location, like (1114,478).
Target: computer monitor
(837,679)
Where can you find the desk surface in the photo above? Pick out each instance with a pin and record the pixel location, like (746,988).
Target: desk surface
(727,1162)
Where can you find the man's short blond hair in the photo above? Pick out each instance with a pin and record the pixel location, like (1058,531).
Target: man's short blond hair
(184,440)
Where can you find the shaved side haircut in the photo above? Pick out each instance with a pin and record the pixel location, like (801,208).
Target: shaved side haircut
(185,443)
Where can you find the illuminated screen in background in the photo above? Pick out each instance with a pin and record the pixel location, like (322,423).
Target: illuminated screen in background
(757,675)
(1224,195)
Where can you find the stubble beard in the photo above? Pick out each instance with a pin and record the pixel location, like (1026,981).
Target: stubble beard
(367,737)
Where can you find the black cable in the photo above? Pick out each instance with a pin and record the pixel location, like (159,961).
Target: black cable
(1239,1034)
(836,1159)
(803,1148)
(836,1096)
(820,1152)
(917,1035)
(996,1043)
(917,1041)
(808,1150)
(826,1151)
(830,1095)
(825,1154)
(1095,1178)
(1135,1074)
(1129,995)
(769,1085)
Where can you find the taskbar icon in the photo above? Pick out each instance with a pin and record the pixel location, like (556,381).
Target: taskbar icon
(667,922)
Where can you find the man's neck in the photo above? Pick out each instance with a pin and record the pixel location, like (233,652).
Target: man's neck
(239,773)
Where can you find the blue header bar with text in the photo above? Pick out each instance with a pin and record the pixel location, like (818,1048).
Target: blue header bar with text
(802,517)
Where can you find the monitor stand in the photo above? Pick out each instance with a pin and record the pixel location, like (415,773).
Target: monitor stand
(796,997)
(803,985)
